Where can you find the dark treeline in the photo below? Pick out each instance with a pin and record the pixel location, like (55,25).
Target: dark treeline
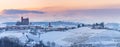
(14,42)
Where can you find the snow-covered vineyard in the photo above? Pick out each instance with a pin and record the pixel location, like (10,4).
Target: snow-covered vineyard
(59,34)
(86,36)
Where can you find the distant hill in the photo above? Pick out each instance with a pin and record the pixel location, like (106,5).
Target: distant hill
(56,23)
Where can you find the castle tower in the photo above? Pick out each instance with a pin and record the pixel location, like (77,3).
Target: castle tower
(21,19)
(49,25)
(24,21)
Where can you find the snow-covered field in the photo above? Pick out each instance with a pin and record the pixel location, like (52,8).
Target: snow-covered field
(82,35)
(71,36)
(106,38)
(22,36)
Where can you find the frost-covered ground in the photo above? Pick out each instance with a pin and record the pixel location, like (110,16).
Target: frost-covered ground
(84,35)
(22,36)
(107,38)
(71,36)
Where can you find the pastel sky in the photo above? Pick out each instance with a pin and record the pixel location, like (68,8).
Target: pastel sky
(38,4)
(75,10)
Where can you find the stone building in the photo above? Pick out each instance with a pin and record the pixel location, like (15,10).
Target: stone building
(24,21)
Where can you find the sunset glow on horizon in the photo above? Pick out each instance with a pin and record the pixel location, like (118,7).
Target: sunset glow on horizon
(61,10)
(39,4)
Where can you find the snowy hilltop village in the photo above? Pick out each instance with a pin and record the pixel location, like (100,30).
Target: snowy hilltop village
(59,34)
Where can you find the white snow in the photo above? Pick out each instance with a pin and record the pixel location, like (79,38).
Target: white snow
(19,35)
(108,38)
(66,38)
(2,25)
(71,36)
(22,37)
(82,35)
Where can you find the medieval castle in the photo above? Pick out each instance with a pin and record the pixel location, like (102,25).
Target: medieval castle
(24,21)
